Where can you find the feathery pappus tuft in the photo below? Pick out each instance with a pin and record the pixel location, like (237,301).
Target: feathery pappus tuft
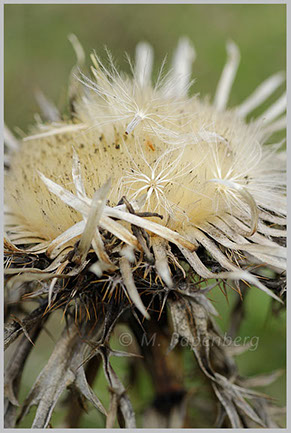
(105,209)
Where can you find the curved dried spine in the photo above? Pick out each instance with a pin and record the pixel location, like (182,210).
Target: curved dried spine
(72,233)
(272,218)
(129,283)
(79,51)
(274,126)
(59,271)
(57,130)
(52,266)
(10,140)
(94,216)
(151,226)
(179,81)
(275,257)
(28,277)
(210,246)
(274,111)
(161,260)
(143,63)
(244,244)
(267,230)
(99,249)
(236,274)
(261,93)
(48,109)
(227,76)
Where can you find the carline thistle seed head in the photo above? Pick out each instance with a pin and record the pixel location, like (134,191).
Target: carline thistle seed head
(186,171)
(130,206)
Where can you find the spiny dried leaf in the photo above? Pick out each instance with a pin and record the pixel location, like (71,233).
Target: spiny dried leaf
(191,322)
(12,377)
(118,389)
(82,385)
(52,380)
(229,407)
(192,331)
(235,395)
(268,412)
(13,329)
(263,379)
(60,372)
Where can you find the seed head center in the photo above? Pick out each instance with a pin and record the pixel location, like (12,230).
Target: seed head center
(153,184)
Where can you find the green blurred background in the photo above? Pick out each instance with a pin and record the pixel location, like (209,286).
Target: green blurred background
(38,55)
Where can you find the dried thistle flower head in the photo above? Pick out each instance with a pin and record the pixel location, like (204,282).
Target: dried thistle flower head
(141,179)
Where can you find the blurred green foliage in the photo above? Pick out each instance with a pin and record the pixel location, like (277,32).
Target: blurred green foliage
(38,55)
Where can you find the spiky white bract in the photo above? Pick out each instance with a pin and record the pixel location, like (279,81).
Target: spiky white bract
(200,166)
